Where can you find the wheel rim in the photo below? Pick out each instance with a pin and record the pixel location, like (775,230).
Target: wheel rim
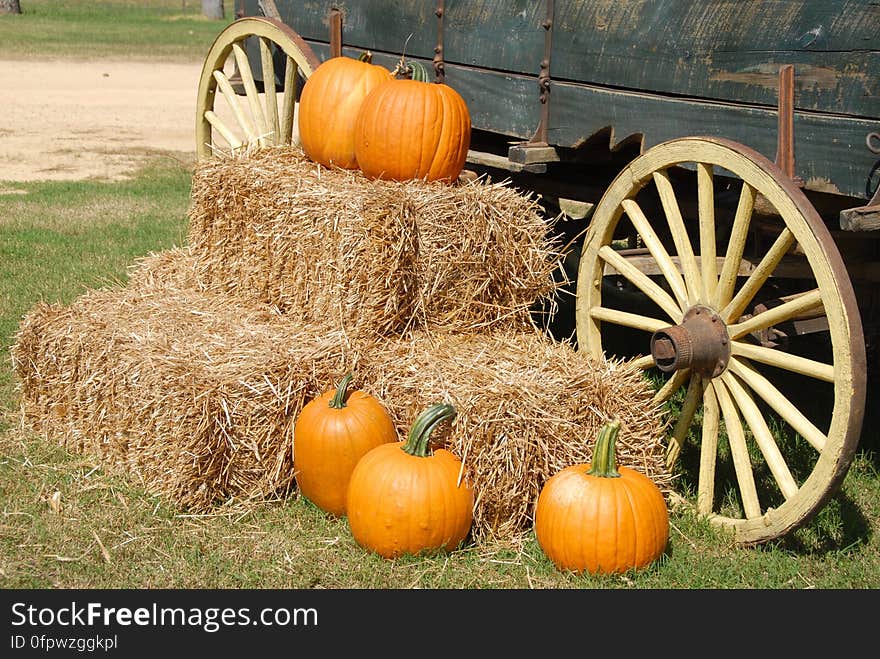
(259,118)
(699,335)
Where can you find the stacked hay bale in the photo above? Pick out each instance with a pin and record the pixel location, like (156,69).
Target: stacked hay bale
(191,376)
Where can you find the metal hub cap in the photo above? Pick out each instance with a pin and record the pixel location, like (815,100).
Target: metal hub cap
(700,343)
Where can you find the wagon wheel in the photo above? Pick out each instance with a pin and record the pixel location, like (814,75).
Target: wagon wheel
(706,302)
(267,120)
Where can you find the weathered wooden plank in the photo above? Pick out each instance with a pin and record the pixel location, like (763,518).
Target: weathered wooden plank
(497,34)
(726,49)
(866,218)
(829,150)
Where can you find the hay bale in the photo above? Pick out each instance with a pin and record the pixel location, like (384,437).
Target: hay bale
(195,395)
(382,256)
(191,396)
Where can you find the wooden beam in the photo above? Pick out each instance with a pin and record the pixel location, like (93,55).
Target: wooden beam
(863,218)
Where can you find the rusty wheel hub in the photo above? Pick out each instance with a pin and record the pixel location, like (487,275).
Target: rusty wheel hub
(700,343)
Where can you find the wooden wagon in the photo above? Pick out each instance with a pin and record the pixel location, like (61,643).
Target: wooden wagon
(716,162)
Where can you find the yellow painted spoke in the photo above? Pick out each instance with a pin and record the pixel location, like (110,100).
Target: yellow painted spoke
(774,398)
(269,89)
(784,360)
(689,266)
(291,79)
(735,247)
(739,451)
(708,452)
(221,128)
(644,362)
(627,319)
(706,211)
(250,88)
(229,95)
(783,312)
(763,437)
(756,279)
(652,242)
(642,282)
(688,408)
(671,385)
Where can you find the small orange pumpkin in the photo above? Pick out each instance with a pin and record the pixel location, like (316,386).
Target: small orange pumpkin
(404,500)
(333,432)
(329,105)
(409,128)
(599,518)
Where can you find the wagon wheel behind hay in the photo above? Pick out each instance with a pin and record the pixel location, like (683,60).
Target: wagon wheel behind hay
(261,114)
(684,229)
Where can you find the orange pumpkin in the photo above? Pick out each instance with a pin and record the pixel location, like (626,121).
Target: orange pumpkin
(329,105)
(404,500)
(599,518)
(332,432)
(409,128)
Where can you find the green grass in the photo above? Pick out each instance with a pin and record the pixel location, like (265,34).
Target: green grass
(58,239)
(169,30)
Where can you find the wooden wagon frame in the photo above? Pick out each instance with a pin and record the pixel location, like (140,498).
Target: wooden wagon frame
(745,285)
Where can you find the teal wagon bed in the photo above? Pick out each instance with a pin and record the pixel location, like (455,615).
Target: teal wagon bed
(715,168)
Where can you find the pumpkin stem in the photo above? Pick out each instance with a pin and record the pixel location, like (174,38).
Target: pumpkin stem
(338,401)
(420,433)
(366,56)
(604,463)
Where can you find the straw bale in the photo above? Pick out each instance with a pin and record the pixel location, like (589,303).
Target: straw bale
(384,256)
(195,395)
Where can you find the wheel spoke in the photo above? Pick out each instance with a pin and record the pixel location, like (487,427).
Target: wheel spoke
(763,437)
(735,247)
(224,131)
(706,212)
(641,281)
(291,79)
(652,242)
(739,451)
(643,362)
(683,423)
(627,319)
(783,312)
(784,360)
(232,101)
(693,280)
(250,88)
(708,453)
(759,276)
(671,385)
(268,68)
(775,399)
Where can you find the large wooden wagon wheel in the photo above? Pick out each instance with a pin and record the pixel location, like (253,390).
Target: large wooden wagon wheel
(713,282)
(265,113)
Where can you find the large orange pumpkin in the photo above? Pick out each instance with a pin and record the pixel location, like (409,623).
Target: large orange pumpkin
(408,128)
(329,105)
(333,432)
(404,499)
(601,518)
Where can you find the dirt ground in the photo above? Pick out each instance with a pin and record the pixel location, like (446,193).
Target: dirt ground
(74,120)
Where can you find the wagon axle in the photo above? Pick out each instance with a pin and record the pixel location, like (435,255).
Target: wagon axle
(700,343)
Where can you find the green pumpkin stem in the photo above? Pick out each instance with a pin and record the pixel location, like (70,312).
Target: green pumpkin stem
(338,401)
(420,433)
(604,464)
(366,56)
